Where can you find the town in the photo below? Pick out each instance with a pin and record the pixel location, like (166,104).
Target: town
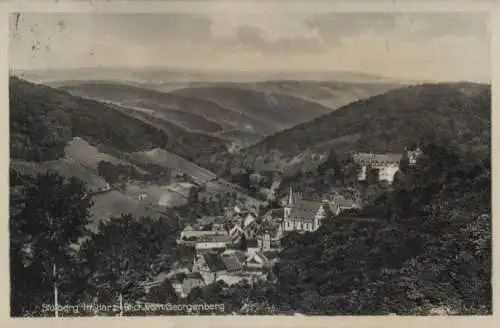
(242,245)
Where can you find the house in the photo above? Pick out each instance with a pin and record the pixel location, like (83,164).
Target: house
(213,242)
(303,215)
(236,232)
(215,222)
(155,281)
(184,283)
(234,278)
(190,236)
(340,203)
(274,214)
(210,266)
(234,260)
(413,155)
(256,260)
(250,226)
(210,246)
(264,242)
(385,164)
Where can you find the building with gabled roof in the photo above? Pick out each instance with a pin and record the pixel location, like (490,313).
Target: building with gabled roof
(307,215)
(184,283)
(234,260)
(210,265)
(303,215)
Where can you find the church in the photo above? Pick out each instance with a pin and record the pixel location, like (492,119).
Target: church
(307,215)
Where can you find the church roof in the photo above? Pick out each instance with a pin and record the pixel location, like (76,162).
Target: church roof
(305,210)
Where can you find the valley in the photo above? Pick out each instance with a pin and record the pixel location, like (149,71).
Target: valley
(259,178)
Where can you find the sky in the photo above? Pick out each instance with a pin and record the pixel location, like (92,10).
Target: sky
(425,46)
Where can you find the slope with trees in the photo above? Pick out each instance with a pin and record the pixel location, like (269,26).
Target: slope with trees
(429,248)
(456,112)
(55,116)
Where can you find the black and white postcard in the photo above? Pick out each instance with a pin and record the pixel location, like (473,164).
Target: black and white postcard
(218,158)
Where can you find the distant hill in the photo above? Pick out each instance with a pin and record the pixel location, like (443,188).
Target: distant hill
(165,75)
(279,110)
(332,94)
(457,112)
(232,106)
(43,120)
(242,113)
(190,112)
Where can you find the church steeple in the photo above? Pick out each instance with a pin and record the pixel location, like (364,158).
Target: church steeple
(290,197)
(289,204)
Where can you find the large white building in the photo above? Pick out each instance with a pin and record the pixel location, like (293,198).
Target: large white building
(386,164)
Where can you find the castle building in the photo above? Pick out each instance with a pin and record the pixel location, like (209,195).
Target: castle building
(386,164)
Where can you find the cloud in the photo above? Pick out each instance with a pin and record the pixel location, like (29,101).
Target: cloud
(436,25)
(158,27)
(334,27)
(252,38)
(401,44)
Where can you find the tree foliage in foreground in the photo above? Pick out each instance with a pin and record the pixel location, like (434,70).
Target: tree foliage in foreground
(125,252)
(47,216)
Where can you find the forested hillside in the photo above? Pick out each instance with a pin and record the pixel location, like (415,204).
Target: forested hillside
(456,112)
(428,246)
(43,120)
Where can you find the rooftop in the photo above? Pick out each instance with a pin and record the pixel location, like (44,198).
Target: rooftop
(377,158)
(344,202)
(305,210)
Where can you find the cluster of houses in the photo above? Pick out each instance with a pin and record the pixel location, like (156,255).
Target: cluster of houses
(239,246)
(229,248)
